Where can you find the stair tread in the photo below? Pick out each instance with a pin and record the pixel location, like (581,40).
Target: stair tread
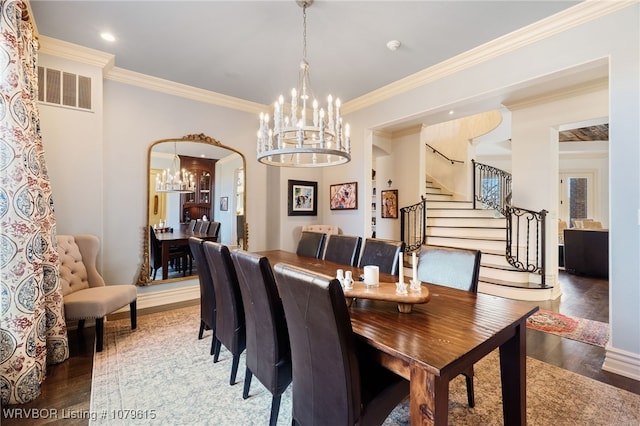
(483,251)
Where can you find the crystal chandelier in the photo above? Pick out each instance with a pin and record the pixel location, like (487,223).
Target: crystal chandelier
(175,180)
(311,137)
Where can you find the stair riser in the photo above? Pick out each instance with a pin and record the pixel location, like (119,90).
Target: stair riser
(438,197)
(510,276)
(467,221)
(495,260)
(458,211)
(472,244)
(467,232)
(447,204)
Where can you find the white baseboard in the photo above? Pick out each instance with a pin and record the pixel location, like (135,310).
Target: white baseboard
(165,297)
(622,362)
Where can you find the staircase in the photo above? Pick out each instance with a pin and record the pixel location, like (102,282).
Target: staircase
(455,223)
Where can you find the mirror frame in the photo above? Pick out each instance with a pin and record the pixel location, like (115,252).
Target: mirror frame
(144,279)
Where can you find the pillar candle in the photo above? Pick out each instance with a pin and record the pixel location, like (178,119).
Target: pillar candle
(415,267)
(400,268)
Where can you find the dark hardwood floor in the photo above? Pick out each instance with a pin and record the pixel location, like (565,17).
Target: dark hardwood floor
(67,388)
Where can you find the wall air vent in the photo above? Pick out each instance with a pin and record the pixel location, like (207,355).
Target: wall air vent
(63,88)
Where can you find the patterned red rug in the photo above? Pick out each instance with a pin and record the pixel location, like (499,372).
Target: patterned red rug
(580,329)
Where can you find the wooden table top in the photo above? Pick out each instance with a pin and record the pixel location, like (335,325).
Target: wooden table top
(455,329)
(386,290)
(178,234)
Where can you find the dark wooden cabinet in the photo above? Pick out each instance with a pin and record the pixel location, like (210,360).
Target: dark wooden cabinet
(195,204)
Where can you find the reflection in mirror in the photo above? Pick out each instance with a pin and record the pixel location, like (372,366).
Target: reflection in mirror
(194,184)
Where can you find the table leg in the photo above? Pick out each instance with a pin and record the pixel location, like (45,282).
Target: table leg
(165,260)
(513,373)
(429,397)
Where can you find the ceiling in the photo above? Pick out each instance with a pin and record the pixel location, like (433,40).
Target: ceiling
(252,49)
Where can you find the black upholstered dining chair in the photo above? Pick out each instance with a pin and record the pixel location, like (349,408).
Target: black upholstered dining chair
(343,249)
(383,253)
(207,292)
(230,325)
(311,244)
(452,267)
(268,353)
(333,381)
(214,229)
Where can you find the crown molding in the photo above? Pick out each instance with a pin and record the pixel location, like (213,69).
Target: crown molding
(572,17)
(105,61)
(75,52)
(571,91)
(177,89)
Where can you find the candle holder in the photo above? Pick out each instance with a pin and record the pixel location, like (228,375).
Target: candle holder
(401,288)
(416,286)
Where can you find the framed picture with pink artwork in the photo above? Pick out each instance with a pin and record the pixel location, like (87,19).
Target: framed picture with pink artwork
(343,196)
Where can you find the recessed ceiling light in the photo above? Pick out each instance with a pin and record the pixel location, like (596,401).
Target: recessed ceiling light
(451,112)
(107,37)
(393,45)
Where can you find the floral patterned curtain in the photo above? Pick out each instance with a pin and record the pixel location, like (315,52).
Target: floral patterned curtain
(32,328)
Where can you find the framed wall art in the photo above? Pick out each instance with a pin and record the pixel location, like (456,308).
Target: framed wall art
(303,198)
(389,203)
(343,196)
(224,204)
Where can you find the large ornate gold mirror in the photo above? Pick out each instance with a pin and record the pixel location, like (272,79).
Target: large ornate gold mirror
(194,184)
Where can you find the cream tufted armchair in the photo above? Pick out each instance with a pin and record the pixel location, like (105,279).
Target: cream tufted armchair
(84,292)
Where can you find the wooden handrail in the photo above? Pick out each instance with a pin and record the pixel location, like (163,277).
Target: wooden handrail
(435,151)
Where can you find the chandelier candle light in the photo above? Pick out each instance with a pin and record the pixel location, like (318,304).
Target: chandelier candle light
(312,137)
(175,180)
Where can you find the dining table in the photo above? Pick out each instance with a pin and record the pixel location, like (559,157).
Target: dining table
(177,238)
(437,340)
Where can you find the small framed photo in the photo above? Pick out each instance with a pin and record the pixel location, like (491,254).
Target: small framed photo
(303,198)
(343,196)
(389,202)
(224,204)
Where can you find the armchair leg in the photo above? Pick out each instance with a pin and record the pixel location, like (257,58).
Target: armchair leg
(99,333)
(134,314)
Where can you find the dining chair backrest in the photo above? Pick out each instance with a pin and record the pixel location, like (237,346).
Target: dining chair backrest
(214,229)
(343,249)
(383,253)
(192,225)
(449,266)
(207,292)
(311,244)
(268,352)
(203,226)
(335,381)
(326,383)
(230,323)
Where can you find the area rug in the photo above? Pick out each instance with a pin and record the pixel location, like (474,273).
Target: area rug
(580,329)
(161,374)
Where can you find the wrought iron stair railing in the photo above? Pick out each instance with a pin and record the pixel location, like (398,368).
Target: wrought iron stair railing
(525,229)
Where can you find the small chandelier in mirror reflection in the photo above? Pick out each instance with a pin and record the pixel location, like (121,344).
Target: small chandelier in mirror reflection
(310,137)
(173,179)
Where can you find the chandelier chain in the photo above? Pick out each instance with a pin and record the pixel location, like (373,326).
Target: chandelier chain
(304,32)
